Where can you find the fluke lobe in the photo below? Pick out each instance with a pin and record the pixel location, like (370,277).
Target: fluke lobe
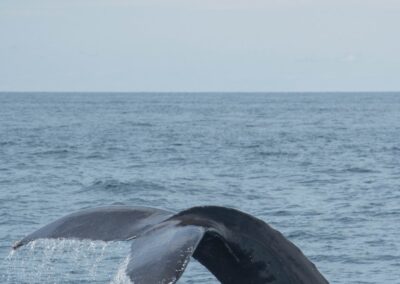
(234,246)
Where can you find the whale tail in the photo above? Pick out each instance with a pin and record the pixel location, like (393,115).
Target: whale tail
(234,246)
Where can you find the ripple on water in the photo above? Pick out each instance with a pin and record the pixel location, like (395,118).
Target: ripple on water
(118,187)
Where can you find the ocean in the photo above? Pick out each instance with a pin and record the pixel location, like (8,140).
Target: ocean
(322,168)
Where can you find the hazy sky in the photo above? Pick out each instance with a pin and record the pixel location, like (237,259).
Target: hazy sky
(199,45)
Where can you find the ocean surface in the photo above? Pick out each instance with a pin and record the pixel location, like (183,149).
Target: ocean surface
(324,169)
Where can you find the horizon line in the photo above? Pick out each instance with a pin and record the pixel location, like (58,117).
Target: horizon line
(197,92)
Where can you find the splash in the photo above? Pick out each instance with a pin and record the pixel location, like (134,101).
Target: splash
(46,261)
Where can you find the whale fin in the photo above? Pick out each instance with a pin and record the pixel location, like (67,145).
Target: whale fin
(161,254)
(110,223)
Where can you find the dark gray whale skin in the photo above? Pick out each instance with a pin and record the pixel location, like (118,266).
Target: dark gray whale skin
(236,247)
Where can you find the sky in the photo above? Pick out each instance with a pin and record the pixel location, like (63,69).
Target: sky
(200,45)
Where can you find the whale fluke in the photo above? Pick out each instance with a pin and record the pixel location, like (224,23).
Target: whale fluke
(108,223)
(236,247)
(162,254)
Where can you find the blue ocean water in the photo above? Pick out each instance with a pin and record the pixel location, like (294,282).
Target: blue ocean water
(324,169)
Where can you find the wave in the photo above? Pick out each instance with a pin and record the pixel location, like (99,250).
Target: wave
(119,187)
(359,170)
(277,154)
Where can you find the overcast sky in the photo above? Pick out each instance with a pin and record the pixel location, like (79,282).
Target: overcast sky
(199,45)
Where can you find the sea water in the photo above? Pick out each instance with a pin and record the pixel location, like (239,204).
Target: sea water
(322,168)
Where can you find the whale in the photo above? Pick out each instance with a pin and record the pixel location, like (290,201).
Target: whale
(236,247)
